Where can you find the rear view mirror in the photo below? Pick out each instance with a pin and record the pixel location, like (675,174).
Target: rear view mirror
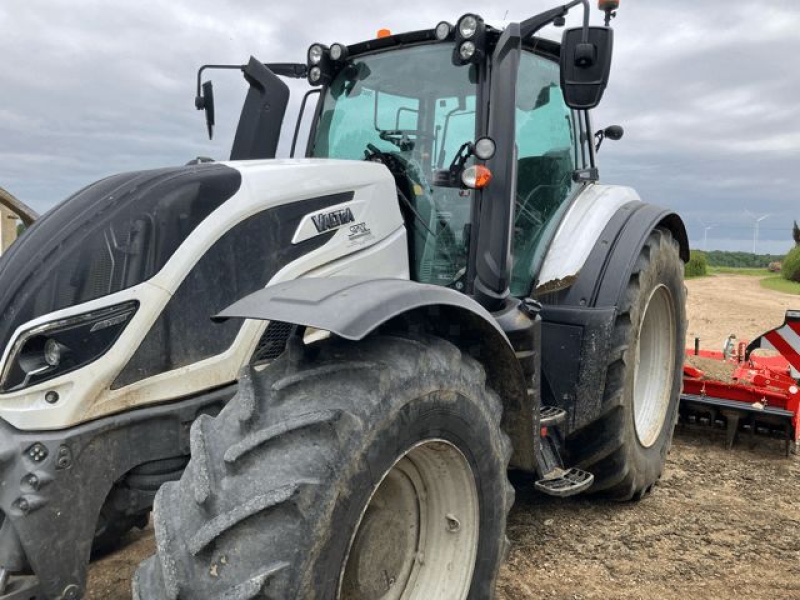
(585,65)
(205,102)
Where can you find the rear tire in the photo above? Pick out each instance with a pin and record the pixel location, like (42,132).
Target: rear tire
(626,448)
(371,469)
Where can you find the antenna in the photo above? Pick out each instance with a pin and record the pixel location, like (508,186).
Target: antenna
(756,223)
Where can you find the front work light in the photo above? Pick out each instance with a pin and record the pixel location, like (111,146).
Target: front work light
(468,26)
(466,51)
(470,40)
(56,348)
(443,31)
(320,64)
(484,148)
(315,54)
(338,52)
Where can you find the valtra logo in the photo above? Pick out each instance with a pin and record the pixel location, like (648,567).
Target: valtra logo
(331,220)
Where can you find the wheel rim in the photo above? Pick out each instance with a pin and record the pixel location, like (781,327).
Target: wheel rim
(655,367)
(417,538)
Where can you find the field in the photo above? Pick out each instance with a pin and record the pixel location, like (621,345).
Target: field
(720,524)
(768,279)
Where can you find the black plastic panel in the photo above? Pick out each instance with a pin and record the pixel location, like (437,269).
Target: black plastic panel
(575,344)
(51,532)
(241,262)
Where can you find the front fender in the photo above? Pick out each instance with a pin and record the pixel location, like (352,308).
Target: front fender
(353,308)
(350,307)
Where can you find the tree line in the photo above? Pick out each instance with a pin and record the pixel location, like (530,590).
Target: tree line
(741,260)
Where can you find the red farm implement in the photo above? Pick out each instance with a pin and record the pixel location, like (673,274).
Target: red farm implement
(741,390)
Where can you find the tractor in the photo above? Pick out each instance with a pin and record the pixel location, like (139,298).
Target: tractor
(438,293)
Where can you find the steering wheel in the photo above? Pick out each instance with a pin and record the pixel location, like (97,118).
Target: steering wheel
(399,137)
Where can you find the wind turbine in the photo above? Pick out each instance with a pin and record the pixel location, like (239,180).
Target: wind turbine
(705,233)
(756,223)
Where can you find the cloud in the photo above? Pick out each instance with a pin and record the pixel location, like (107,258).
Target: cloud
(702,89)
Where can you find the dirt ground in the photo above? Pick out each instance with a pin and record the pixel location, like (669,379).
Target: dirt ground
(725,304)
(720,524)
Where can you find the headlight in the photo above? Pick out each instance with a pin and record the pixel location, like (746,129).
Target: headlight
(53,352)
(52,349)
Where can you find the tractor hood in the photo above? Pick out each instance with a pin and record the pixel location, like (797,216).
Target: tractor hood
(110,236)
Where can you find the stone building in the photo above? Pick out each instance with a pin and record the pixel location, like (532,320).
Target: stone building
(12,211)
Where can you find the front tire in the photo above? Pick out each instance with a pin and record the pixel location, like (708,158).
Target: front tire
(112,527)
(626,447)
(369,470)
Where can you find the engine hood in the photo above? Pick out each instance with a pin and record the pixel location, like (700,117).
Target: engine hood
(109,236)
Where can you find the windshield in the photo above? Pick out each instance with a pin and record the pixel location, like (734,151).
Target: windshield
(411,109)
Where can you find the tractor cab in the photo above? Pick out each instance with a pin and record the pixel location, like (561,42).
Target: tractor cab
(415,111)
(480,126)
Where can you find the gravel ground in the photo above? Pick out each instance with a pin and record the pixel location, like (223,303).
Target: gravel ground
(720,524)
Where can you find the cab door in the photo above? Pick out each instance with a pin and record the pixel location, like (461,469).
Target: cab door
(548,146)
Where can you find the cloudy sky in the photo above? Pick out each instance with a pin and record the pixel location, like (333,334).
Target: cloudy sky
(706,91)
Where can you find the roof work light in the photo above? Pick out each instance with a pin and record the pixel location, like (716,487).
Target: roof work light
(470,40)
(319,64)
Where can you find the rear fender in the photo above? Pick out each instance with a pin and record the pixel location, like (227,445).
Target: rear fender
(353,308)
(578,323)
(604,276)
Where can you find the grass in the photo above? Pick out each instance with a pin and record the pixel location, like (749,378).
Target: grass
(779,284)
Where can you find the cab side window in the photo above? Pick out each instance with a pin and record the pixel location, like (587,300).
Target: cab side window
(546,144)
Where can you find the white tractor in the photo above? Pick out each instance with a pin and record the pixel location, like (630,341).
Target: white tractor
(439,291)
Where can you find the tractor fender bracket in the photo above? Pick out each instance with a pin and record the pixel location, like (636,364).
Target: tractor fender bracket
(353,308)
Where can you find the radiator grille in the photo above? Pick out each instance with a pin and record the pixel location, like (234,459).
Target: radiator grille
(272,342)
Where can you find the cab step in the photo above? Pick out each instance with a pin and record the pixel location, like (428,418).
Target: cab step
(562,483)
(551,416)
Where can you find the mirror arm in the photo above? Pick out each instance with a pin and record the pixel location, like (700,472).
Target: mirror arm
(599,137)
(530,26)
(198,101)
(293,70)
